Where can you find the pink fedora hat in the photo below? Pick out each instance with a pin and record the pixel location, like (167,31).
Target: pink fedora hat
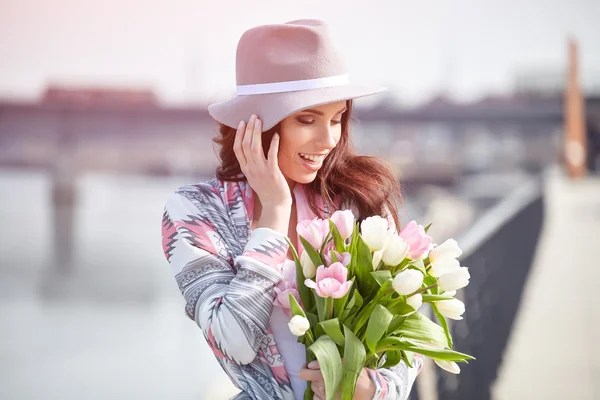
(285,68)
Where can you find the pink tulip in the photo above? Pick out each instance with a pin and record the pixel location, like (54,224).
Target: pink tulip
(331,281)
(282,299)
(418,241)
(344,222)
(344,258)
(286,286)
(313,231)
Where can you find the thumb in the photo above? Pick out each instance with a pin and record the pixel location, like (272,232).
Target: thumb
(313,365)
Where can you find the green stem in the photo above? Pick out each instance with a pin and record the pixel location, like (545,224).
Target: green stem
(329,307)
(422,290)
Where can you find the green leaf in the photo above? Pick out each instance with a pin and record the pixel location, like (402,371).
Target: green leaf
(305,293)
(332,328)
(397,343)
(354,361)
(337,238)
(364,266)
(312,318)
(382,276)
(392,358)
(321,307)
(399,307)
(353,251)
(295,307)
(408,357)
(430,281)
(312,253)
(419,265)
(395,324)
(330,363)
(427,227)
(428,298)
(419,327)
(378,323)
(444,324)
(353,306)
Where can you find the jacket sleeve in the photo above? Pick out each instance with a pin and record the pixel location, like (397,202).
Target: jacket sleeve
(230,300)
(395,383)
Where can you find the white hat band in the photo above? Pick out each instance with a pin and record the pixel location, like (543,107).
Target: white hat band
(292,86)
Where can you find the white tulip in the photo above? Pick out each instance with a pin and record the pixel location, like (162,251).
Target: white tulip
(451,293)
(395,249)
(454,280)
(373,231)
(449,366)
(308,268)
(448,249)
(377,259)
(298,325)
(407,281)
(443,266)
(415,301)
(452,309)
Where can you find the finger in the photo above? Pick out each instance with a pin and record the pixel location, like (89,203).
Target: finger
(273,152)
(310,375)
(257,150)
(313,365)
(237,144)
(247,139)
(318,389)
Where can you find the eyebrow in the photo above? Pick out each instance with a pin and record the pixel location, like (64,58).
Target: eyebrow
(321,113)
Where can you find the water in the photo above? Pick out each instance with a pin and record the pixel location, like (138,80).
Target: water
(114,327)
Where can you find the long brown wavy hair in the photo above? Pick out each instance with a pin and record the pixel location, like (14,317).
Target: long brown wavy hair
(361,181)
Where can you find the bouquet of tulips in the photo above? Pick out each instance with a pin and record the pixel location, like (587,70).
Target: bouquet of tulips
(358,293)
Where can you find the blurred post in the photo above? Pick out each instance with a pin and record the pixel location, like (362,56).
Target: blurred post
(574,121)
(64,197)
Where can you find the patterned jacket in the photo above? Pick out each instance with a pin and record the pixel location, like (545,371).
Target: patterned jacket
(228,274)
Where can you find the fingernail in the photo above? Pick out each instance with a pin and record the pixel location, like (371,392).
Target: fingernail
(241,124)
(312,364)
(257,123)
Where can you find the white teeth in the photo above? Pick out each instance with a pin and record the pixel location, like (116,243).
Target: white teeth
(312,157)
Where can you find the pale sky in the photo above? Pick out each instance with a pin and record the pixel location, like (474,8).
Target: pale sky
(185,49)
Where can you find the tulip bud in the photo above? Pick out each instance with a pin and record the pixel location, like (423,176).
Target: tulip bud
(415,301)
(395,249)
(457,279)
(407,281)
(418,241)
(449,366)
(377,259)
(298,325)
(344,222)
(314,232)
(373,231)
(308,268)
(452,309)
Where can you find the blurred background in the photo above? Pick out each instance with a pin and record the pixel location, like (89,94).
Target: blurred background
(491,123)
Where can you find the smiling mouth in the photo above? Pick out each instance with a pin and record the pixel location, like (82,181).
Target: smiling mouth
(312,159)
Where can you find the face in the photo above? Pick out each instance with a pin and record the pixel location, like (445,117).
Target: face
(307,137)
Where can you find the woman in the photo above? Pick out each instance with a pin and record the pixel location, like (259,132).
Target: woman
(290,161)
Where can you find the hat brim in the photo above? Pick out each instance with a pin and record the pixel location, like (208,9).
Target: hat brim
(273,107)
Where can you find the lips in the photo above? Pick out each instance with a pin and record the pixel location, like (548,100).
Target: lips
(312,158)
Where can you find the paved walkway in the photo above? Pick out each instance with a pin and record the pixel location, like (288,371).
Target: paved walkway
(554,351)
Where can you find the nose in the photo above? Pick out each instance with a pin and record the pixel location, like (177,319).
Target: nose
(327,138)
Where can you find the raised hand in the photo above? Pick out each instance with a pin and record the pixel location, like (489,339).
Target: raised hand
(263,174)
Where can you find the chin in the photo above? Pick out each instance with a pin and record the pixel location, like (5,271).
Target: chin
(304,178)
